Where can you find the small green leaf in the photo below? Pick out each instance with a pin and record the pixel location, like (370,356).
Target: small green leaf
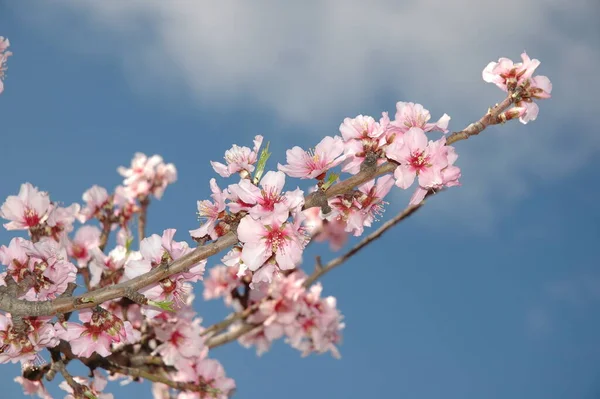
(332,178)
(164,305)
(128,244)
(90,395)
(262,162)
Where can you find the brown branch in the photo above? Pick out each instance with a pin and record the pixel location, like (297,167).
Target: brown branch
(492,117)
(156,377)
(105,233)
(142,218)
(97,296)
(232,335)
(320,269)
(232,318)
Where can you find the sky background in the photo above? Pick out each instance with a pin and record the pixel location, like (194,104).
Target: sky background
(490,291)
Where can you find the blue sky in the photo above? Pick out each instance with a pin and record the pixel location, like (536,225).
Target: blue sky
(491,291)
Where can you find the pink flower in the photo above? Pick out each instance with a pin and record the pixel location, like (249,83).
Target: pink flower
(97,385)
(147,176)
(4,44)
(371,203)
(311,165)
(363,137)
(239,159)
(86,239)
(60,220)
(211,211)
(220,282)
(409,115)
(267,202)
(95,199)
(324,230)
(99,331)
(507,75)
(26,210)
(210,372)
(109,269)
(33,387)
(416,158)
(181,342)
(40,334)
(263,241)
(41,266)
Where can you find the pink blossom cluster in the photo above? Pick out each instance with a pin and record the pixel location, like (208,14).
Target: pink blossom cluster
(308,322)
(4,54)
(269,218)
(146,176)
(154,251)
(180,345)
(510,77)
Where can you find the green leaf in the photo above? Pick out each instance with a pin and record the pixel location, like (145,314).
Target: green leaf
(90,395)
(128,244)
(164,305)
(332,178)
(262,162)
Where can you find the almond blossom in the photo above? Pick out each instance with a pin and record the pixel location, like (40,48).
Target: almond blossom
(507,75)
(311,165)
(261,241)
(363,137)
(100,329)
(95,198)
(33,387)
(41,269)
(206,372)
(181,342)
(174,289)
(24,346)
(418,158)
(267,202)
(60,220)
(211,211)
(409,115)
(96,385)
(86,239)
(27,209)
(147,175)
(239,160)
(510,76)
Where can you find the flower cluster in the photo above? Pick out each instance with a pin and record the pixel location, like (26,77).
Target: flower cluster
(147,175)
(518,79)
(286,308)
(180,345)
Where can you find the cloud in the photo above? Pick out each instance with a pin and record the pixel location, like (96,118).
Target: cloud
(580,291)
(307,61)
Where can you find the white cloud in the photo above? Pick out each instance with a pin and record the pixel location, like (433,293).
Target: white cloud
(306,61)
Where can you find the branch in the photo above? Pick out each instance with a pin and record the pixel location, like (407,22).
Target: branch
(320,269)
(18,307)
(144,202)
(232,335)
(156,377)
(492,117)
(95,297)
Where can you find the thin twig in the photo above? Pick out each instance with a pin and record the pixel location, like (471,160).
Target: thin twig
(142,217)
